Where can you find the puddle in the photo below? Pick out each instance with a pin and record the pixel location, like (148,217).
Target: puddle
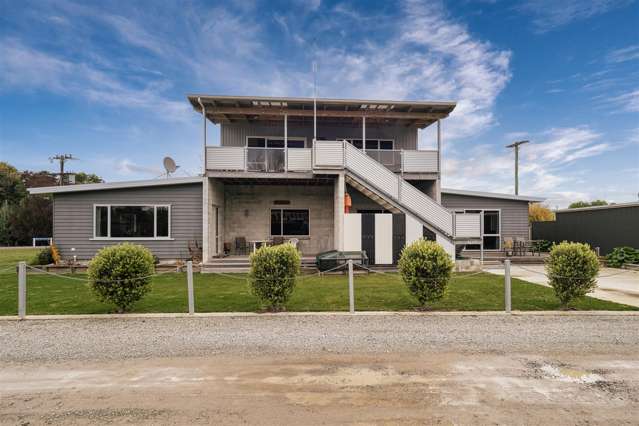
(348,377)
(565,374)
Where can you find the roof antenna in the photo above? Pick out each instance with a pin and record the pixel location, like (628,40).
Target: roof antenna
(169,166)
(314,101)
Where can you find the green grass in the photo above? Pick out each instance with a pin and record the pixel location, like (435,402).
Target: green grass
(213,293)
(9,257)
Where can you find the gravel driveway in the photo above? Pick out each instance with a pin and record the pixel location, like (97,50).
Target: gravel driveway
(322,369)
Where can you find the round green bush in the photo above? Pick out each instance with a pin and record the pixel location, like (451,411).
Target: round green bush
(44,257)
(426,269)
(273,273)
(120,274)
(572,270)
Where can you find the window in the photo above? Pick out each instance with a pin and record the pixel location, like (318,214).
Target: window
(132,221)
(102,221)
(373,144)
(491,231)
(274,142)
(255,142)
(385,144)
(289,222)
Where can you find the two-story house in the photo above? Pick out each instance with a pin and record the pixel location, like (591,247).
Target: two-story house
(329,174)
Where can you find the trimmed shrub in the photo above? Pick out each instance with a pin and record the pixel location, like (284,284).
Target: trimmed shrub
(572,270)
(622,255)
(543,245)
(273,273)
(426,269)
(120,274)
(44,257)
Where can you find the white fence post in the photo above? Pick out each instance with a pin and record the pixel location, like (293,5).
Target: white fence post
(507,298)
(351,290)
(189,281)
(22,289)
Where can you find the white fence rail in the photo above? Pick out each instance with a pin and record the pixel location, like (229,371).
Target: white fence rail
(225,158)
(237,158)
(328,154)
(468,225)
(420,161)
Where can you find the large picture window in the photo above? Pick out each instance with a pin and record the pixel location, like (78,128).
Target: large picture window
(290,222)
(132,221)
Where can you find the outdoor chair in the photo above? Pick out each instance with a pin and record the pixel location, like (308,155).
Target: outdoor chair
(294,241)
(520,246)
(277,241)
(241,246)
(509,246)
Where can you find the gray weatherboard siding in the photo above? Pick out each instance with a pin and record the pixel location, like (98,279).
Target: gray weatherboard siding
(235,134)
(73,219)
(514,214)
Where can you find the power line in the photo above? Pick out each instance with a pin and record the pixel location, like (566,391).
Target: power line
(516,146)
(62,158)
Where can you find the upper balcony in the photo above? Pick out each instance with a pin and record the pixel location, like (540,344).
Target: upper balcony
(280,160)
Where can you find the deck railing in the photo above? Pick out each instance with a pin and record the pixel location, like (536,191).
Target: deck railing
(265,160)
(274,160)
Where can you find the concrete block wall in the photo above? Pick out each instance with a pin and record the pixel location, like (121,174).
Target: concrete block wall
(247,212)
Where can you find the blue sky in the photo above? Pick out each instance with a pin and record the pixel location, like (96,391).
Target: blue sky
(107,81)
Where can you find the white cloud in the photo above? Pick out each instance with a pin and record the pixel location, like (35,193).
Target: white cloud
(543,165)
(26,68)
(127,167)
(627,101)
(551,14)
(625,54)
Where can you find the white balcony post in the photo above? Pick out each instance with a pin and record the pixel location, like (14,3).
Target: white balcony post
(285,142)
(204,134)
(364,133)
(439,148)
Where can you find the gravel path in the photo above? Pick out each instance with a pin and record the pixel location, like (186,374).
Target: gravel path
(104,339)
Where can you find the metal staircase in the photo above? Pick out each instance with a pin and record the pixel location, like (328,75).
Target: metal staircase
(383,185)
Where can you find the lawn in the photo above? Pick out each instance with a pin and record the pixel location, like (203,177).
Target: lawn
(214,293)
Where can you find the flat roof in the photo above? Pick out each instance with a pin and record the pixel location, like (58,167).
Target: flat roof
(114,185)
(609,206)
(492,195)
(231,109)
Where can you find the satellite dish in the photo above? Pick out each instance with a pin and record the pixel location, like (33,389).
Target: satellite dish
(169,165)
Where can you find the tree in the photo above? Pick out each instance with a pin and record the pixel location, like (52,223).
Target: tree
(32,217)
(581,204)
(12,188)
(537,212)
(37,179)
(82,177)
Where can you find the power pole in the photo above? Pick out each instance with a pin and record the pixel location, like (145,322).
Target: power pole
(62,158)
(516,146)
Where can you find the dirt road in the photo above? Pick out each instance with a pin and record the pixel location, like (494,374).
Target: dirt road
(535,375)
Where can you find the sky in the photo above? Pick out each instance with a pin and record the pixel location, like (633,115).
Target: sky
(107,81)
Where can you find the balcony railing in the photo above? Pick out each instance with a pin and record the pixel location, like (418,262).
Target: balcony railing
(278,160)
(264,160)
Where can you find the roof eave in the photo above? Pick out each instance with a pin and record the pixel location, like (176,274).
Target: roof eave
(113,185)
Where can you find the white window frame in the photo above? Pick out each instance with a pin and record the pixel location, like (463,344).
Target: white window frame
(350,140)
(155,222)
(266,138)
(282,224)
(482,210)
